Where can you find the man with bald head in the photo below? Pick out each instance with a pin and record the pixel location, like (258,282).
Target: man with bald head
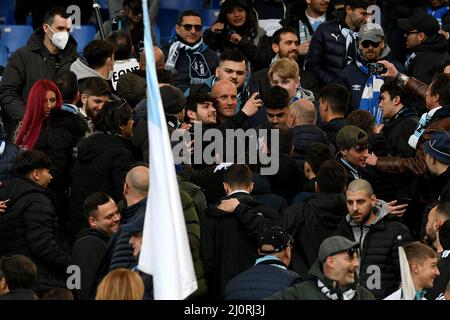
(301,120)
(224,93)
(135,191)
(368,223)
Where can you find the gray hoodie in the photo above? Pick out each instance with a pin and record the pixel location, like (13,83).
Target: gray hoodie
(360,231)
(83,71)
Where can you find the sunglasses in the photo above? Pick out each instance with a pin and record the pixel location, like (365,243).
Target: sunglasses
(188,27)
(367,44)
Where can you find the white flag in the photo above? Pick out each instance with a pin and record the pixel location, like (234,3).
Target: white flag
(165,252)
(408,290)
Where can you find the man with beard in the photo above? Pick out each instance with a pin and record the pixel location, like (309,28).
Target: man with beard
(188,57)
(428,48)
(368,223)
(441,283)
(95,93)
(285,44)
(358,77)
(200,109)
(438,237)
(422,262)
(333,275)
(436,218)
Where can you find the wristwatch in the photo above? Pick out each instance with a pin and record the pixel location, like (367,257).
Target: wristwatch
(401,79)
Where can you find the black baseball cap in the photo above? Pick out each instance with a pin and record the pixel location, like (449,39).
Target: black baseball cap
(421,21)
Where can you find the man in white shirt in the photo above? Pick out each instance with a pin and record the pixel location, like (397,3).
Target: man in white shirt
(422,262)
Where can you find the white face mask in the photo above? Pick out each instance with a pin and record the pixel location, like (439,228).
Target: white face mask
(59,39)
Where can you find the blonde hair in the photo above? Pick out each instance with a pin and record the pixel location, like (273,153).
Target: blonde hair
(121,284)
(285,68)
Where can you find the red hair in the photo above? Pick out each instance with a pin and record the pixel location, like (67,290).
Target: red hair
(34,113)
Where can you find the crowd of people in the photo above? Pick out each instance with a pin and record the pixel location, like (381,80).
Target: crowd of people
(358,116)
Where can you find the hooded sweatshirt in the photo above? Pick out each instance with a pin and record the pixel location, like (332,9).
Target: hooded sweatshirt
(360,230)
(83,71)
(379,249)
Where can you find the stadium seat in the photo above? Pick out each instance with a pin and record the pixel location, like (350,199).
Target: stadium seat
(157,33)
(167,18)
(215,4)
(15,36)
(5,7)
(181,4)
(83,36)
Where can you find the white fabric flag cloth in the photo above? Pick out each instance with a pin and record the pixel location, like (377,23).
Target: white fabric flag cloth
(409,292)
(165,252)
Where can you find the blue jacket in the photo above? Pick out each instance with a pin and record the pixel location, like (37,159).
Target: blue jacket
(327,52)
(262,280)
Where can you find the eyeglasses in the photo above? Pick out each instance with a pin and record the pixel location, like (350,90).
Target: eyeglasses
(188,27)
(367,44)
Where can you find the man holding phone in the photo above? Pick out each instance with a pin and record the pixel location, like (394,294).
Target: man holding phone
(362,78)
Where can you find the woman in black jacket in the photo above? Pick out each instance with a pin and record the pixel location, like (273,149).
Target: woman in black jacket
(237,26)
(103,160)
(55,132)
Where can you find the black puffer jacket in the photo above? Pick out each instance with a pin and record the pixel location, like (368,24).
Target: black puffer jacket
(101,166)
(29,227)
(88,252)
(430,55)
(122,251)
(26,66)
(7,159)
(327,52)
(57,140)
(379,252)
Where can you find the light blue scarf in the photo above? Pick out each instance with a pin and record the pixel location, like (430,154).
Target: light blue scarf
(371,94)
